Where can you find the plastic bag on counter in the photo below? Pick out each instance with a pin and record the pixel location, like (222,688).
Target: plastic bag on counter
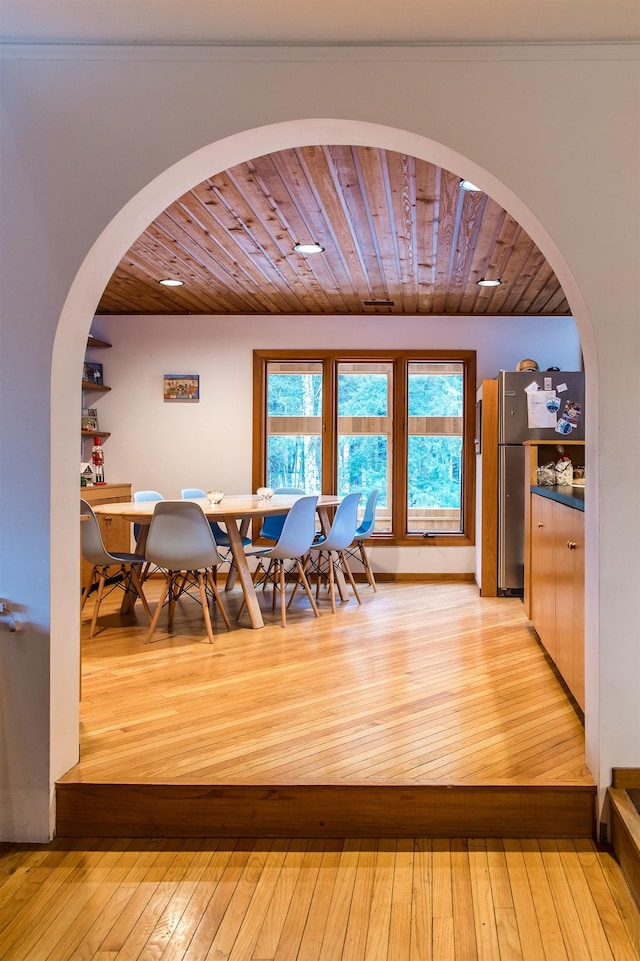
(547,475)
(564,472)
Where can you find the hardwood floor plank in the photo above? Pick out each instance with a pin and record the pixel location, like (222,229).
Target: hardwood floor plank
(317,917)
(355,942)
(272,926)
(572,930)
(298,914)
(536,923)
(421,948)
(484,912)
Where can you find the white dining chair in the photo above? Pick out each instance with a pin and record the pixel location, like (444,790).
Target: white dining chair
(129,567)
(181,545)
(357,547)
(327,554)
(296,536)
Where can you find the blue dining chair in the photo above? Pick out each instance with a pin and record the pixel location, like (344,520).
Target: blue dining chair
(220,535)
(272,524)
(140,496)
(367,525)
(296,537)
(327,554)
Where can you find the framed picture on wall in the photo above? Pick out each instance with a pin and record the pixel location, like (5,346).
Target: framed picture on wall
(182,387)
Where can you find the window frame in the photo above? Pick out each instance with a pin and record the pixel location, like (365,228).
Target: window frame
(400,359)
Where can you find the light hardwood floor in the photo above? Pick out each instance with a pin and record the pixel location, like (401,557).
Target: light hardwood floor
(423,681)
(424,710)
(315,900)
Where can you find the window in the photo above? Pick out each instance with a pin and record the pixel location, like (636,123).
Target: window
(399,421)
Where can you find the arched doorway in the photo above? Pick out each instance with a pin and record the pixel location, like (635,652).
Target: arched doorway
(142,209)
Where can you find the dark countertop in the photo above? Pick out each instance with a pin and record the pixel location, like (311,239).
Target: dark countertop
(570,496)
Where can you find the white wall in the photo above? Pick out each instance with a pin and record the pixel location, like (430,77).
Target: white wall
(96,141)
(169,446)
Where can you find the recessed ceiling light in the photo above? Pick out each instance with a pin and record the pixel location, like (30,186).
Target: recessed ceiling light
(308,248)
(489,283)
(467,185)
(168,282)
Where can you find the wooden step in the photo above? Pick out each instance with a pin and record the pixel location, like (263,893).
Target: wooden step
(490,810)
(624,822)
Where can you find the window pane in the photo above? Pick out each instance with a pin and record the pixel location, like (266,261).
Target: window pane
(364,434)
(294,425)
(294,462)
(435,430)
(362,395)
(435,490)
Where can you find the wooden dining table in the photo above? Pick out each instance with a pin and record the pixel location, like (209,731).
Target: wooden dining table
(235,511)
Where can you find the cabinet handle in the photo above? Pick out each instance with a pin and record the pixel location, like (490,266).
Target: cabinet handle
(571,545)
(540,524)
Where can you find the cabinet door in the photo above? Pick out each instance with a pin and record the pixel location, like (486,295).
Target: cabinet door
(570,598)
(543,573)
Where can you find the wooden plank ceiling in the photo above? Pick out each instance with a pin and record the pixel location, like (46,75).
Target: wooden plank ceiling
(400,237)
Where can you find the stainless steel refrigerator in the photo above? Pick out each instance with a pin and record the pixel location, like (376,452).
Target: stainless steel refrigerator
(532,405)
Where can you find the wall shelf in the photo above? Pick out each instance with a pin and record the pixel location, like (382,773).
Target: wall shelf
(87,385)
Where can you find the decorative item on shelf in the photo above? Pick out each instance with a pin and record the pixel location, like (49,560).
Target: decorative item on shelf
(86,475)
(89,419)
(92,374)
(214,497)
(97,458)
(527,364)
(264,493)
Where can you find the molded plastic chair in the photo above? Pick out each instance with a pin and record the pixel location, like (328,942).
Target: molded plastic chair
(272,523)
(327,555)
(357,548)
(181,544)
(296,537)
(94,551)
(221,537)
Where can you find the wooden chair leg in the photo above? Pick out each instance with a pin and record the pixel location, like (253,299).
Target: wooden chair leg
(364,557)
(94,619)
(85,590)
(156,616)
(302,579)
(218,600)
(137,583)
(347,571)
(205,605)
(332,582)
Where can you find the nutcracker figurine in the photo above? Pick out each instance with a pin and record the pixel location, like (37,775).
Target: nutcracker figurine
(97,458)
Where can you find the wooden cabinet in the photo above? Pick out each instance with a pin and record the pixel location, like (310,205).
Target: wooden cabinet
(116,531)
(556,586)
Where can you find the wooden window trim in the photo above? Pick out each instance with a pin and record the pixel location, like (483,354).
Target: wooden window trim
(400,360)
